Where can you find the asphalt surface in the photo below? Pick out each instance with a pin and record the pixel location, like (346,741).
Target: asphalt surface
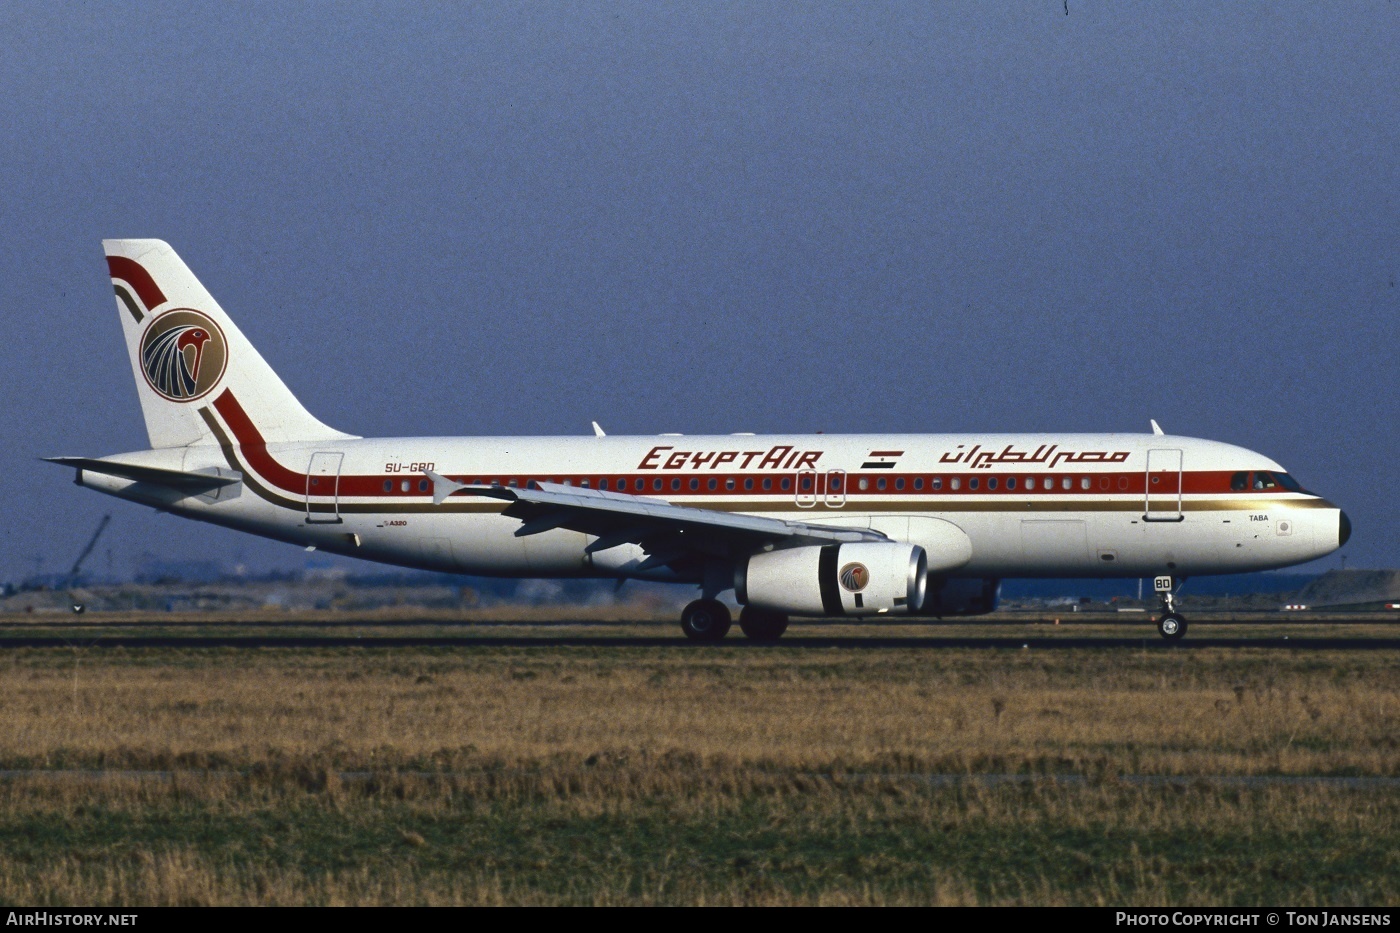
(1147,639)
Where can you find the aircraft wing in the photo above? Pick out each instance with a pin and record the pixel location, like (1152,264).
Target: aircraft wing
(665,531)
(192,483)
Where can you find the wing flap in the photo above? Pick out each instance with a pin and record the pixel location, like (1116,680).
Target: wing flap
(655,524)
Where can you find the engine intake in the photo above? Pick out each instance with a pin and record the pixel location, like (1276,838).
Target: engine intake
(835,579)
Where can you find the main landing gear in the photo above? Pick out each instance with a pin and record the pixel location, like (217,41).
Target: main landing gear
(763,626)
(707,621)
(1171,625)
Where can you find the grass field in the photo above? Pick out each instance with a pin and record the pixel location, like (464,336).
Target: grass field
(642,773)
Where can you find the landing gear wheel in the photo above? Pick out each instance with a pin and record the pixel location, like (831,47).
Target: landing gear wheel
(1171,626)
(705,621)
(762,625)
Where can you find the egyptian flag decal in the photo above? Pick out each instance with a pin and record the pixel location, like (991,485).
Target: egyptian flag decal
(881,459)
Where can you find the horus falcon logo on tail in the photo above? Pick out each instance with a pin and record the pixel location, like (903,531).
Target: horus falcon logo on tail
(183,355)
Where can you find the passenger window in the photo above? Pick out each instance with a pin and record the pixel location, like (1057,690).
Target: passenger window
(836,484)
(880,483)
(711,484)
(1030,482)
(918,482)
(805,483)
(1084,482)
(388,485)
(1066,482)
(992,483)
(864,484)
(694,484)
(899,483)
(1011,482)
(972,483)
(955,483)
(767,482)
(1103,482)
(748,482)
(404,486)
(729,483)
(656,484)
(675,484)
(602,484)
(786,484)
(938,483)
(422,485)
(1122,482)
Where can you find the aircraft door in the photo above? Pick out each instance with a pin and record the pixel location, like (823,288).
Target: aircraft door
(1162,501)
(806,490)
(323,482)
(835,488)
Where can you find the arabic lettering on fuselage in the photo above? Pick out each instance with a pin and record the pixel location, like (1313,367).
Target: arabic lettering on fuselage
(1048,454)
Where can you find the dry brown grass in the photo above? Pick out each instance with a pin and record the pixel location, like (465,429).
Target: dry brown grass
(1094,712)
(486,775)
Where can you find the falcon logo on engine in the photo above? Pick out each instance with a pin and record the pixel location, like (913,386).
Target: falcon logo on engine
(854,577)
(183,354)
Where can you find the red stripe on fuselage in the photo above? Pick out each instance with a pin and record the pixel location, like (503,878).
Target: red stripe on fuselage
(135,275)
(254,448)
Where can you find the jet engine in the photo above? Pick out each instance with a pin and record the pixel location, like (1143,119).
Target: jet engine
(864,578)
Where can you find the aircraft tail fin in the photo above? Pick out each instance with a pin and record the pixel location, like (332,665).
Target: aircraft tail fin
(189,357)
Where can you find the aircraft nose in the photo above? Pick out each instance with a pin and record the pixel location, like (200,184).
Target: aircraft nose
(1343,528)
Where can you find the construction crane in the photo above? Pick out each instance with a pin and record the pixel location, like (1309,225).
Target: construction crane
(72,578)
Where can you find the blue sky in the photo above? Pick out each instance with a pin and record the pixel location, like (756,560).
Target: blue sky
(516,218)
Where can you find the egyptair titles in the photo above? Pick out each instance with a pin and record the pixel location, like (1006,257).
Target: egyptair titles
(788,457)
(1050,454)
(778,457)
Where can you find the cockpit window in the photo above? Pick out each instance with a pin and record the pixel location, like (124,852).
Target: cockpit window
(1240,480)
(1263,479)
(1288,482)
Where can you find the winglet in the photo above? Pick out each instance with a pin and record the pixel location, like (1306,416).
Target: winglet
(598,431)
(442,486)
(1156,428)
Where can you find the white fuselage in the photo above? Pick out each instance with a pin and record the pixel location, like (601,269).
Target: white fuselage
(1032,505)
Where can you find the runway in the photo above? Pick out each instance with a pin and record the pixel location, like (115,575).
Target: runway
(1148,640)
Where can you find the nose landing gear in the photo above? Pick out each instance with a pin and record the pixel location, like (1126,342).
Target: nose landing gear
(1171,625)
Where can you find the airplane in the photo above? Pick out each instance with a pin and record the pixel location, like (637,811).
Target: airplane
(819,525)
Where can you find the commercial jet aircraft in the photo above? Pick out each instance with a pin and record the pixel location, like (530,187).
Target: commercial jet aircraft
(796,525)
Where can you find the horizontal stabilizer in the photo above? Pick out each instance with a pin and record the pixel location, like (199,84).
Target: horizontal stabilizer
(175,479)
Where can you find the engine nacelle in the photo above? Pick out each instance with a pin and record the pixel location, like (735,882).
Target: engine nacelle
(961,596)
(865,578)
